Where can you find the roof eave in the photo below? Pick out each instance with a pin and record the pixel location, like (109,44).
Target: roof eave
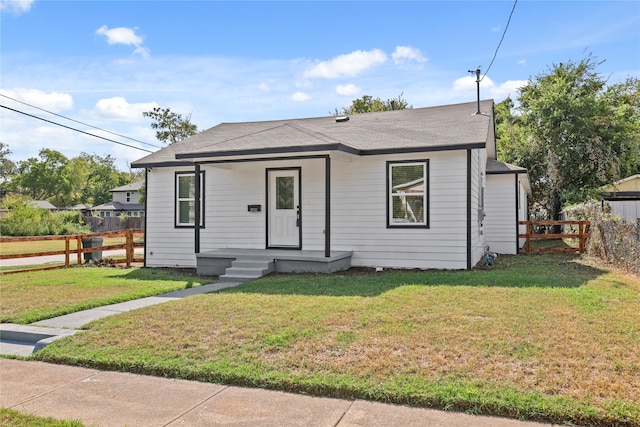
(325,147)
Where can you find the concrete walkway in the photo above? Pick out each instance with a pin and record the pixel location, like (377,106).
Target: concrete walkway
(104,398)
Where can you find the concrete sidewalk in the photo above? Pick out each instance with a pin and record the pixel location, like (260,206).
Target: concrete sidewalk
(99,398)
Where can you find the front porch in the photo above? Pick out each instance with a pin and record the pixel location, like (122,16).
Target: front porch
(250,264)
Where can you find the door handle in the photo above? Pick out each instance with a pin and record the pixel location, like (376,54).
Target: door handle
(298,221)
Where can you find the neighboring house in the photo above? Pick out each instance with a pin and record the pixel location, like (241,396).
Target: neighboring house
(125,200)
(43,204)
(82,208)
(394,189)
(624,197)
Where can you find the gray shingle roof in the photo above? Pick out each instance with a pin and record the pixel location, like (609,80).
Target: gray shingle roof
(134,186)
(495,167)
(419,129)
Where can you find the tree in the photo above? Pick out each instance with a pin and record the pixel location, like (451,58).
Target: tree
(84,179)
(572,133)
(93,177)
(367,104)
(44,178)
(170,127)
(8,169)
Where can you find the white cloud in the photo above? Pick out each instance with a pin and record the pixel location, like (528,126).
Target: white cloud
(300,97)
(508,88)
(142,51)
(522,62)
(488,89)
(349,65)
(16,7)
(52,101)
(118,108)
(125,36)
(120,35)
(347,90)
(405,54)
(264,87)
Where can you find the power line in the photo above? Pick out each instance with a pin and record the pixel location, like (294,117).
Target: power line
(501,39)
(77,130)
(77,121)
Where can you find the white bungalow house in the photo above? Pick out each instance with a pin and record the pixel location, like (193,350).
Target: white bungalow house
(125,200)
(395,189)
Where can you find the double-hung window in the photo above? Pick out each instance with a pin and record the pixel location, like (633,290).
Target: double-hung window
(408,194)
(186,199)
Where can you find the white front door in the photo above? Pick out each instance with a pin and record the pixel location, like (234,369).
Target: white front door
(284,208)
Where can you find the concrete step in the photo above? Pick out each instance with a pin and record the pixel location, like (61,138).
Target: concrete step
(247,269)
(239,278)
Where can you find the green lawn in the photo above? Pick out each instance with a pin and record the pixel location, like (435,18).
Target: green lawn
(13,418)
(541,337)
(32,296)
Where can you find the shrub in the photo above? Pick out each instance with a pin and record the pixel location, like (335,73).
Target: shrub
(614,239)
(27,220)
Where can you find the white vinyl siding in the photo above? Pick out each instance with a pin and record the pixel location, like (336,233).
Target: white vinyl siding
(166,246)
(500,224)
(478,169)
(359,196)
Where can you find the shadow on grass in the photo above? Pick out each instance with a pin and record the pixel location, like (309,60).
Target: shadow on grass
(187,275)
(512,271)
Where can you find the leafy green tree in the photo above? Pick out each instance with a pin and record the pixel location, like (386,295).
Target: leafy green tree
(45,178)
(367,104)
(93,178)
(572,132)
(83,179)
(8,169)
(170,127)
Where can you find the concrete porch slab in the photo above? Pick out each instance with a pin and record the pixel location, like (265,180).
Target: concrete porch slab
(215,262)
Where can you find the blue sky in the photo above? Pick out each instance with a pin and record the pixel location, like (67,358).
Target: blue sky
(105,62)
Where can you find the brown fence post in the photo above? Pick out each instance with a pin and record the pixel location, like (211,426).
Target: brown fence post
(528,244)
(66,251)
(129,246)
(79,248)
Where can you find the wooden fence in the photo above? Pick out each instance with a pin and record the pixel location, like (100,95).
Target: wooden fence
(129,246)
(536,230)
(113,223)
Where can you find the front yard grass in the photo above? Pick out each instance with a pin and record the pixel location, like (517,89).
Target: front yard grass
(32,296)
(541,337)
(9,417)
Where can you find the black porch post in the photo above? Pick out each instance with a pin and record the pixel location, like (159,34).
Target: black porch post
(327,207)
(196,225)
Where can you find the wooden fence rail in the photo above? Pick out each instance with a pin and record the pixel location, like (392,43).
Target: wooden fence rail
(582,234)
(129,246)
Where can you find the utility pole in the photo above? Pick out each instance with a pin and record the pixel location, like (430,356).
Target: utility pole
(477,72)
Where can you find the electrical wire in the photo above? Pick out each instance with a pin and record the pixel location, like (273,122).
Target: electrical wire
(501,39)
(77,130)
(77,121)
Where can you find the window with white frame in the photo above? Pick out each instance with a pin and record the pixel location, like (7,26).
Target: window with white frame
(408,194)
(186,199)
